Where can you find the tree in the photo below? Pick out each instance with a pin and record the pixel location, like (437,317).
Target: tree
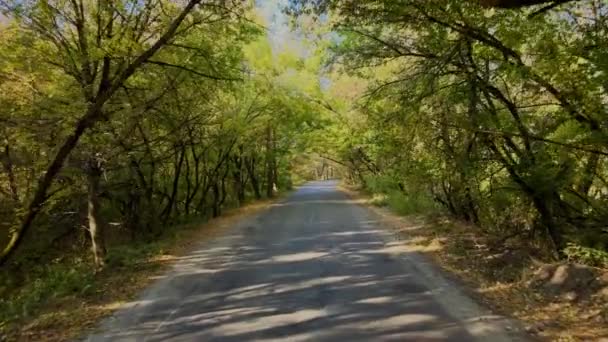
(100,46)
(493,117)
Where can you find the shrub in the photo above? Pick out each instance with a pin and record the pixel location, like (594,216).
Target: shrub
(586,255)
(410,203)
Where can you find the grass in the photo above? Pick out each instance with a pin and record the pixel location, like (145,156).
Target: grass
(65,297)
(46,284)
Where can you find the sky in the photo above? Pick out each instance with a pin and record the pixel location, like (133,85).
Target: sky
(279,32)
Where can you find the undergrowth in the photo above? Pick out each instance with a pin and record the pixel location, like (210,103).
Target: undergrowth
(386,192)
(586,255)
(73,277)
(58,299)
(43,284)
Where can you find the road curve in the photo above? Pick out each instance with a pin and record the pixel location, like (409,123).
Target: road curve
(314,267)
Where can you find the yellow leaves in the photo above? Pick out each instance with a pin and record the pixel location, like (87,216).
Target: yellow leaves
(259,54)
(15,89)
(489,13)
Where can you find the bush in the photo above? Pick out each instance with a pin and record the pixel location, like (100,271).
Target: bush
(386,192)
(586,255)
(410,203)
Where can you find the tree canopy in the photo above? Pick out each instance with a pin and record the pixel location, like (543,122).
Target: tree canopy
(497,116)
(128,117)
(131,116)
(123,121)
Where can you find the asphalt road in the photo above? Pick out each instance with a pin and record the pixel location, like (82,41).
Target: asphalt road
(314,267)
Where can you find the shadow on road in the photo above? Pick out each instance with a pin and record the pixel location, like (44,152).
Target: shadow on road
(314,268)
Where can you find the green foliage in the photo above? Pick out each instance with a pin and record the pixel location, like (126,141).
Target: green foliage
(404,202)
(586,255)
(168,133)
(44,283)
(187,134)
(410,203)
(493,114)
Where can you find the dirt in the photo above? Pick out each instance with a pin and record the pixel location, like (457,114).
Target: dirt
(554,301)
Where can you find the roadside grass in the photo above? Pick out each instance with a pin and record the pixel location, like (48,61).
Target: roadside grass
(402,203)
(496,273)
(63,298)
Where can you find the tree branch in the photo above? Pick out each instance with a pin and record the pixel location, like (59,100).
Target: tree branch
(198,73)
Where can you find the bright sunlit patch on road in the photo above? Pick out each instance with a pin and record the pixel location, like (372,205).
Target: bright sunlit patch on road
(399,321)
(299,256)
(309,284)
(269,322)
(376,300)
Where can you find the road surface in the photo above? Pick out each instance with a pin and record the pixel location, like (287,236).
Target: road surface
(314,267)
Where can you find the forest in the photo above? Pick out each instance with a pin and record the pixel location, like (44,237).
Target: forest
(121,120)
(133,118)
(496,116)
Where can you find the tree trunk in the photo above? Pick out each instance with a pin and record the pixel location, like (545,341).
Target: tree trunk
(515,3)
(216,199)
(189,185)
(9,169)
(269,162)
(201,205)
(544,206)
(178,169)
(139,195)
(470,203)
(237,175)
(197,177)
(588,174)
(255,184)
(223,192)
(98,248)
(45,182)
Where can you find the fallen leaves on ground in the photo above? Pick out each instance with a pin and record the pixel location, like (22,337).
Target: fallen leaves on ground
(498,276)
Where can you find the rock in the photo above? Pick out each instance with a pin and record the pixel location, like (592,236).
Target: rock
(568,282)
(532,329)
(507,265)
(539,327)
(542,274)
(570,277)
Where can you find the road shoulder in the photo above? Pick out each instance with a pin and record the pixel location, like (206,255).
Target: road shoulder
(450,290)
(500,275)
